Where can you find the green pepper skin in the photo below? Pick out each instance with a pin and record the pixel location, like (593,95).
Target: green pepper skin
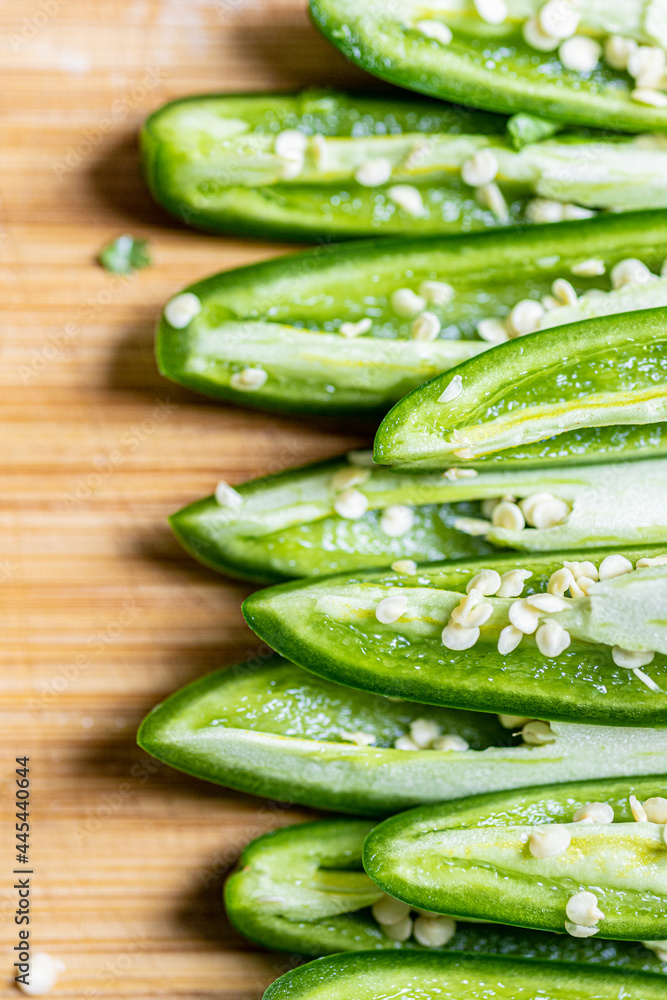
(373,976)
(471,858)
(302,889)
(485,66)
(330,628)
(186,176)
(271,729)
(287,525)
(212,161)
(284,315)
(585,392)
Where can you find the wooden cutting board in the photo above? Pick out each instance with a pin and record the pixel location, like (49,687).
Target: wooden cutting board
(102,614)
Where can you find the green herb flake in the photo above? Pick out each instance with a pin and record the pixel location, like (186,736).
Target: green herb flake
(124,255)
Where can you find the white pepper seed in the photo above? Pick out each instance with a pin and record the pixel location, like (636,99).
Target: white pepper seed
(508,515)
(614,565)
(492,11)
(407,197)
(512,582)
(551,638)
(351,504)
(508,640)
(637,810)
(579,931)
(525,317)
(479,169)
(594,812)
(437,293)
(405,743)
(492,330)
(523,617)
(397,520)
(390,609)
(226,496)
(558,18)
(591,268)
(457,638)
(356,329)
(656,809)
(582,909)
(451,742)
(435,30)
(424,731)
(373,173)
(549,841)
(433,932)
(407,567)
(425,327)
(512,721)
(629,272)
(537,734)
(249,379)
(580,54)
(630,659)
(407,303)
(389,911)
(486,582)
(182,309)
(347,477)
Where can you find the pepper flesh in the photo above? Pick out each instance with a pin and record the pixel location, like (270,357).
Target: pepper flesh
(373,976)
(278,731)
(330,627)
(302,889)
(490,65)
(588,391)
(285,316)
(471,858)
(286,525)
(212,162)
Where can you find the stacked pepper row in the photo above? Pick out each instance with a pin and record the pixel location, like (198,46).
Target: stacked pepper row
(469,620)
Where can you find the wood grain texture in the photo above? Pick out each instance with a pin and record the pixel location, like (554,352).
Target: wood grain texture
(102,614)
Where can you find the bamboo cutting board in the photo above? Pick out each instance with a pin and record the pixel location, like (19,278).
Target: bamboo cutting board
(102,614)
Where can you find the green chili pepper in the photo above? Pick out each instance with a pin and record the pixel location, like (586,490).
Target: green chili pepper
(452,52)
(287,525)
(339,329)
(377,976)
(314,164)
(584,392)
(446,635)
(524,857)
(303,889)
(272,729)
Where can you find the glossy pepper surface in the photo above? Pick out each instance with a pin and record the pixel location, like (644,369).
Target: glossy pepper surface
(332,165)
(275,730)
(414,646)
(341,330)
(451,51)
(303,889)
(483,857)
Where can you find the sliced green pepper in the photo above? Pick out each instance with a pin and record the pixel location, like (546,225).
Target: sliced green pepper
(520,858)
(451,51)
(411,975)
(584,392)
(445,635)
(315,164)
(303,889)
(287,525)
(272,729)
(337,329)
